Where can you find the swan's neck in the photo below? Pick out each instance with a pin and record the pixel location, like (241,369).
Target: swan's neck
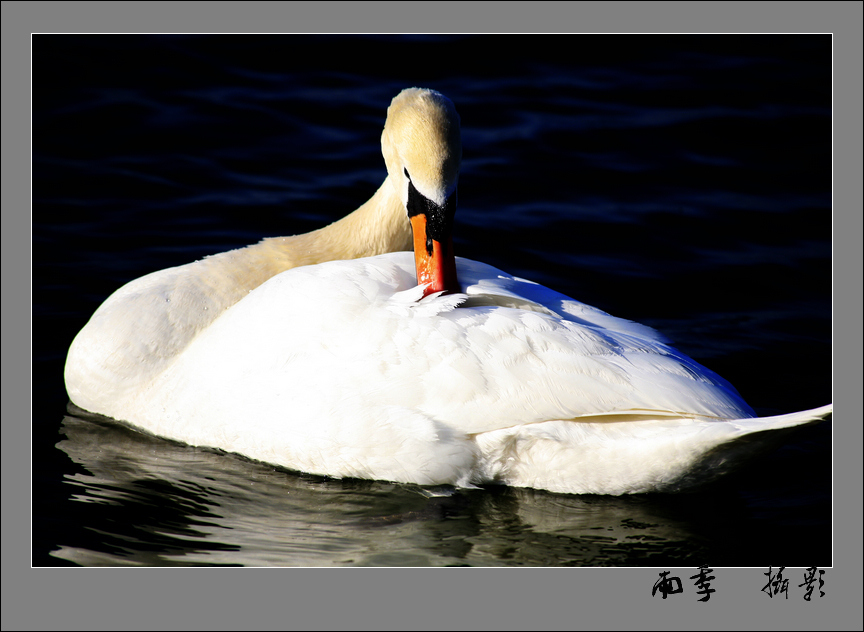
(379,226)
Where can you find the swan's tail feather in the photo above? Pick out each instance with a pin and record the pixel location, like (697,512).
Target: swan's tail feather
(788,420)
(748,438)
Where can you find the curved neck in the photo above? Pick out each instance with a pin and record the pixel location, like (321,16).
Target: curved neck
(377,227)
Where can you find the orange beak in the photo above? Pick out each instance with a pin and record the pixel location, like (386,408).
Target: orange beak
(435,261)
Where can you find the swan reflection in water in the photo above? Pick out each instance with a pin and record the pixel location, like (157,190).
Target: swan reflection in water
(147,501)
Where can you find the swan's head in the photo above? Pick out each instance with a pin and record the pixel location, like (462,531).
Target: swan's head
(422,149)
(422,145)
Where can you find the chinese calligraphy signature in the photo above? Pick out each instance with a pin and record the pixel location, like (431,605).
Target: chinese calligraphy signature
(776,585)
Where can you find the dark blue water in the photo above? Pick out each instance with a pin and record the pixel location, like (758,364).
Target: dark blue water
(683,182)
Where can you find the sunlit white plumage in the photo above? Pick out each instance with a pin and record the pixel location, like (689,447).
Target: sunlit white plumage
(345,369)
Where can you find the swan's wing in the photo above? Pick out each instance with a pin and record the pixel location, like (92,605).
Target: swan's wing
(480,280)
(496,366)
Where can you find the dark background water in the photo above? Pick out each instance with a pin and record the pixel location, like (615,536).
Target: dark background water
(680,181)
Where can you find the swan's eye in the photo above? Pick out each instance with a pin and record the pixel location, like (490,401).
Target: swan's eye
(407,175)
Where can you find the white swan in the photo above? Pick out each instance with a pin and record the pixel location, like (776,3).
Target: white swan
(352,369)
